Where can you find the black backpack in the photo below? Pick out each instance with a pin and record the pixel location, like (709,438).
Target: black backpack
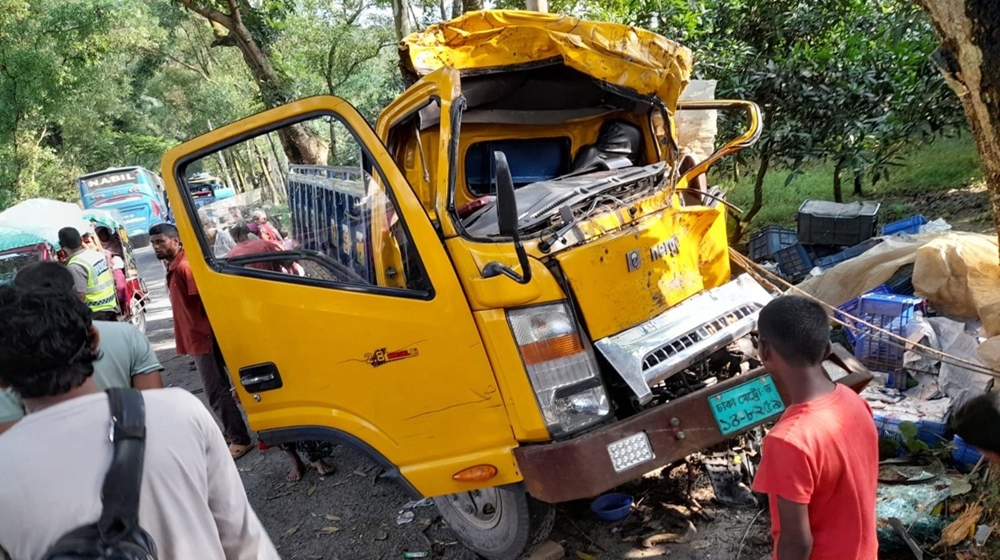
(117,535)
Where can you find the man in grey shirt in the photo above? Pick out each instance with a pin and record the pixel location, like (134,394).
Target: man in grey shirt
(126,358)
(192,504)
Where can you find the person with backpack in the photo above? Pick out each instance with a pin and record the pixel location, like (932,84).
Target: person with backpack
(172,492)
(126,358)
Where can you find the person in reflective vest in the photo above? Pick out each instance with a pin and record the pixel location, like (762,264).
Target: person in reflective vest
(92,278)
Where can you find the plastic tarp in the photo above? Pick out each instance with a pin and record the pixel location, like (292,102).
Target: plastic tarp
(16,239)
(620,55)
(958,273)
(44,218)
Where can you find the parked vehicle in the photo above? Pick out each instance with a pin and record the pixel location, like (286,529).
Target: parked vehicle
(135,192)
(29,234)
(206,189)
(504,300)
(134,295)
(18,249)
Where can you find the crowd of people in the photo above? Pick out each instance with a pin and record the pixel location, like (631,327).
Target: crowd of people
(60,351)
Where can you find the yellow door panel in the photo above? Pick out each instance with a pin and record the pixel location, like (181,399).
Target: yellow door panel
(357,309)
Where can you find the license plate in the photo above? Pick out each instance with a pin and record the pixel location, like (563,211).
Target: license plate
(746,404)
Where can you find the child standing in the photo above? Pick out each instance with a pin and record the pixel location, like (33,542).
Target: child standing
(819,465)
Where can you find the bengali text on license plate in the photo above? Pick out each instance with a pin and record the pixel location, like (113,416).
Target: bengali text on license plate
(746,404)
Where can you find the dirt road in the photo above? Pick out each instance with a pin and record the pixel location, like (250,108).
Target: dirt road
(352,514)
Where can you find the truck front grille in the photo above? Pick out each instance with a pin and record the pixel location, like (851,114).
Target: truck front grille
(695,336)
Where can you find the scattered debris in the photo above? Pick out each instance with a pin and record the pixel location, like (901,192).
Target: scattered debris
(291,531)
(914,505)
(426,502)
(663,538)
(331,518)
(416,554)
(961,528)
(897,526)
(381,536)
(329,530)
(983,532)
(730,475)
(404,517)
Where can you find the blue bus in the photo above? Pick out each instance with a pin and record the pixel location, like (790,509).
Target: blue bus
(135,192)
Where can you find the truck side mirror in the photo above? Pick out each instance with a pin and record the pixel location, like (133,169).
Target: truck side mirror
(506,205)
(506,199)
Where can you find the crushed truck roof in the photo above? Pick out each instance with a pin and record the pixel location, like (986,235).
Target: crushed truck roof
(496,40)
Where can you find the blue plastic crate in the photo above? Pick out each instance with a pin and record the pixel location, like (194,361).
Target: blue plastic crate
(794,262)
(909,225)
(849,310)
(847,254)
(888,312)
(964,455)
(767,241)
(930,432)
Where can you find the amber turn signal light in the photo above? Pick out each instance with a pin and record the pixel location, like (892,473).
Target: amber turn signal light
(478,473)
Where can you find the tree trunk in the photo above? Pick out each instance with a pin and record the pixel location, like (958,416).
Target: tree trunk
(838,170)
(456,8)
(275,90)
(758,196)
(242,187)
(222,162)
(472,5)
(282,164)
(401,18)
(265,169)
(858,191)
(968,30)
(538,5)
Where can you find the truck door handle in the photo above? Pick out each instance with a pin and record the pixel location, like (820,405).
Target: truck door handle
(260,377)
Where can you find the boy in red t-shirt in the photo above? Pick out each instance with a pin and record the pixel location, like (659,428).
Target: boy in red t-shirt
(819,465)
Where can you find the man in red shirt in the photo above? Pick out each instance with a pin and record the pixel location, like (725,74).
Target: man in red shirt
(193,336)
(819,465)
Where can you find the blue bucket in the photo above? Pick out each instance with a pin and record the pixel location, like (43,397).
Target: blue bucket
(612,507)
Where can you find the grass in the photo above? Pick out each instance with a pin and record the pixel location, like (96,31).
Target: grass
(947,164)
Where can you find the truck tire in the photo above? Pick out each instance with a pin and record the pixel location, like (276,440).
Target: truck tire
(499,523)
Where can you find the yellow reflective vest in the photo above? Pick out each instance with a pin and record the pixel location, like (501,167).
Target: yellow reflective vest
(100,294)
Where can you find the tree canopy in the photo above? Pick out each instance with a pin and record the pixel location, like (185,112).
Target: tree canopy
(91,84)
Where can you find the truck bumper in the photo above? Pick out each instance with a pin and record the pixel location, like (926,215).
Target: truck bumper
(581,467)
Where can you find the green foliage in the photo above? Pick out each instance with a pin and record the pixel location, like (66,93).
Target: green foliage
(929,170)
(88,84)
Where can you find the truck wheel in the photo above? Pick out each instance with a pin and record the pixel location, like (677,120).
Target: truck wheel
(499,523)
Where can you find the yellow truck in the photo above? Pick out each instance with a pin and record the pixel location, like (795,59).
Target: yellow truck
(512,293)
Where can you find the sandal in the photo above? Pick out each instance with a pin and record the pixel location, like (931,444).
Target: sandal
(238,451)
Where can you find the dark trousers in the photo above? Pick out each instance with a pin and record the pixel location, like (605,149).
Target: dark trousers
(105,316)
(220,397)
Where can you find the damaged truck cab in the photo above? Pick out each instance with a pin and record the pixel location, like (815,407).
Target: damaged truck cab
(513,293)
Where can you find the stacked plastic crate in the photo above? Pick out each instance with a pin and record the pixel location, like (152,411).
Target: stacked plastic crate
(890,313)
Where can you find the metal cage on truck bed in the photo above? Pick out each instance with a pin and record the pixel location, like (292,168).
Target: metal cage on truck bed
(329,213)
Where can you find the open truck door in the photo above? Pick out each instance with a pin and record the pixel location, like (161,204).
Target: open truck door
(324,340)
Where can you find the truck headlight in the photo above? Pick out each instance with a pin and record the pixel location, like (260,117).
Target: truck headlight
(563,372)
